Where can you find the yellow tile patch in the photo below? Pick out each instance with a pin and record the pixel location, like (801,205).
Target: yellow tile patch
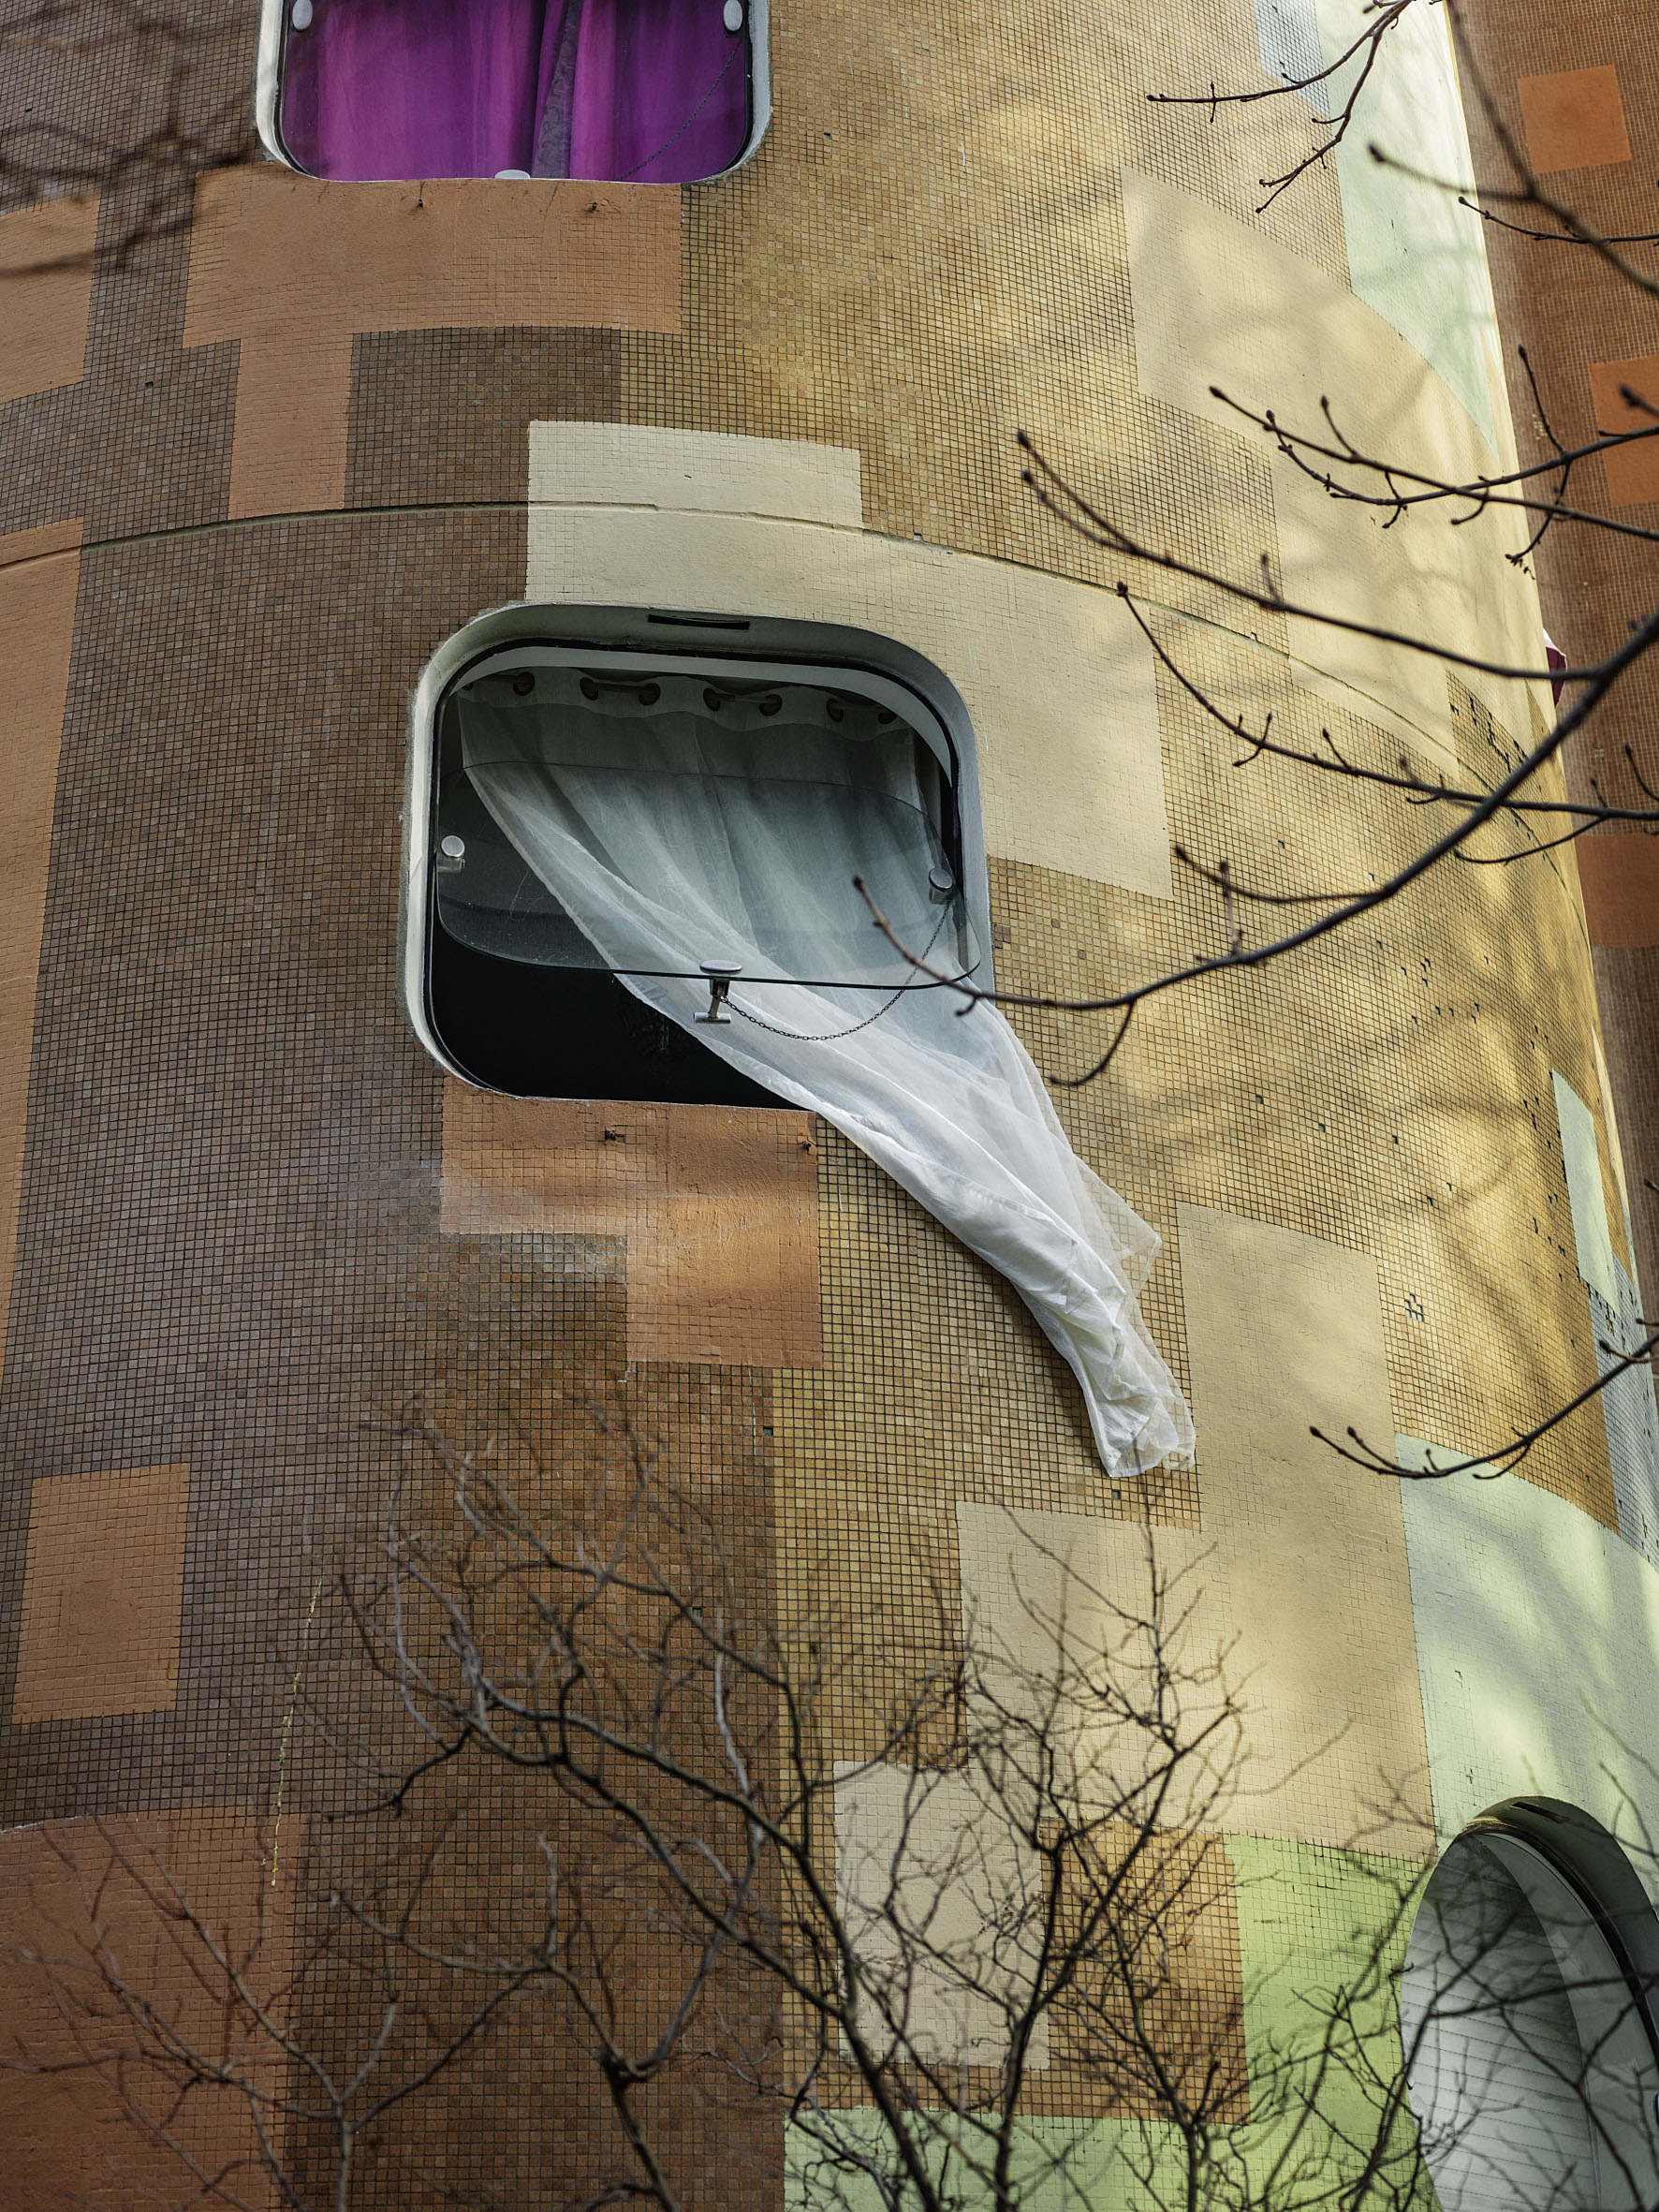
(1298,1576)
(717,1205)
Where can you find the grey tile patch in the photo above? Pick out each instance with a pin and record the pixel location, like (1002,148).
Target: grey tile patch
(1287,37)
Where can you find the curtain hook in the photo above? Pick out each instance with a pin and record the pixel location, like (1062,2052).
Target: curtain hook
(720,974)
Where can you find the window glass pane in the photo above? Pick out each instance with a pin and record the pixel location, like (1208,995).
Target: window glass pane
(655,91)
(736,813)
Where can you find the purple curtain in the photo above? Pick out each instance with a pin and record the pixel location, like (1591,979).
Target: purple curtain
(414,88)
(661,93)
(649,90)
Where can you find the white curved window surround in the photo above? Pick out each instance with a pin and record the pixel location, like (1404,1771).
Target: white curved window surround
(1531,2056)
(605,832)
(663,92)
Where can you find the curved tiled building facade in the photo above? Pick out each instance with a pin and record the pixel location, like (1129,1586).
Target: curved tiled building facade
(260,462)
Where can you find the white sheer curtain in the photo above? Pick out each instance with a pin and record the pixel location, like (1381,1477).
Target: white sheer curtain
(664,869)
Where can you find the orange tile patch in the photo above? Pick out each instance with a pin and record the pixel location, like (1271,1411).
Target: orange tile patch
(288,454)
(45,294)
(1619,875)
(1633,471)
(78,1898)
(294,267)
(1574,119)
(102,1591)
(718,1206)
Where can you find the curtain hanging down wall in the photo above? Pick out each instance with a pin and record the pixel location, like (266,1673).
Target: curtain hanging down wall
(951,1106)
(648,91)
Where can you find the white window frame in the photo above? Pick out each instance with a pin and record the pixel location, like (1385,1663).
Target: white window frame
(818,650)
(268,66)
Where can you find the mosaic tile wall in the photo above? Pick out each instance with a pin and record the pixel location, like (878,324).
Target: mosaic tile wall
(229,1255)
(1578,89)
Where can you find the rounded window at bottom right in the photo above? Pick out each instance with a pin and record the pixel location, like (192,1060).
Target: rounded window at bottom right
(1527,2016)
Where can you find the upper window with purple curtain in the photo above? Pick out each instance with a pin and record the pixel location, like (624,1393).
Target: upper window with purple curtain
(656,92)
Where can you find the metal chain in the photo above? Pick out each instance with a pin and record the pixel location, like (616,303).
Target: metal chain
(832,1036)
(828,1036)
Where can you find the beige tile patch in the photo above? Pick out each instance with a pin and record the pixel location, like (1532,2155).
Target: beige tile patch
(718,1206)
(1058,681)
(1285,1332)
(1211,296)
(101,1595)
(695,471)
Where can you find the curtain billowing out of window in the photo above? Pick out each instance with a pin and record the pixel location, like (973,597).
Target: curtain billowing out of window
(674,846)
(651,91)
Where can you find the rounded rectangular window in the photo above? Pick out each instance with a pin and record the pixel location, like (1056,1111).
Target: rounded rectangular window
(665,92)
(1526,2009)
(589,813)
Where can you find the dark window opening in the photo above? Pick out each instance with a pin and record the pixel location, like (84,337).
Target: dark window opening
(569,1033)
(649,91)
(686,753)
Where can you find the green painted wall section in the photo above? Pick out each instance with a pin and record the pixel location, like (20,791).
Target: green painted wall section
(1537,1635)
(1321,1933)
(1414,254)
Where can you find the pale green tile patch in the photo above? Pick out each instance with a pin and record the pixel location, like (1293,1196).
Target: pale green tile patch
(1594,1245)
(1414,253)
(1321,1933)
(1537,1633)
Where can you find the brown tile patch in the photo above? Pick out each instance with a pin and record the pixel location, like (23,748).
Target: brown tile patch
(1620,874)
(718,1205)
(102,1591)
(45,293)
(1574,119)
(1633,471)
(67,2138)
(1180,1990)
(294,267)
(1627,990)
(39,577)
(440,415)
